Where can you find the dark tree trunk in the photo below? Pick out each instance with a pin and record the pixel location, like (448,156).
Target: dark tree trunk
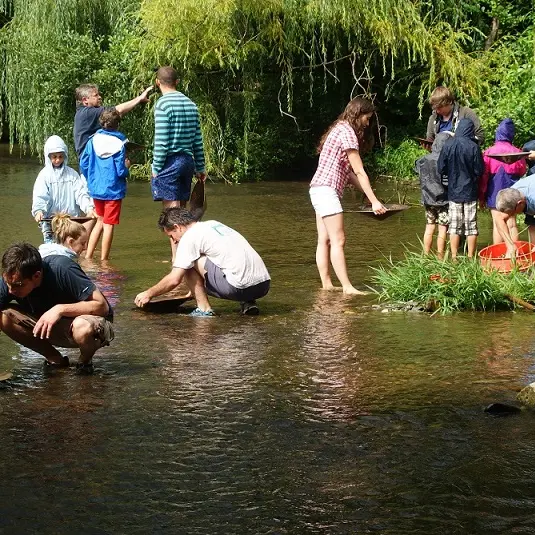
(493,33)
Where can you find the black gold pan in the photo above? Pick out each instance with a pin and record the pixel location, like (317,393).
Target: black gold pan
(392,209)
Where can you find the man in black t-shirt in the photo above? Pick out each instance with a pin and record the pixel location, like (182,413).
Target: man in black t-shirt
(56,304)
(89,109)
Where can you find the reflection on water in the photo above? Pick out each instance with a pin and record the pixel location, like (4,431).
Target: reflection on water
(321,415)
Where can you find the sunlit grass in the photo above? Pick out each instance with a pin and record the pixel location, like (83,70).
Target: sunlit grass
(448,287)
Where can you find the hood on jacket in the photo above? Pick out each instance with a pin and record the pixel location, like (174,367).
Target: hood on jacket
(106,143)
(55,144)
(505,131)
(440,139)
(465,128)
(49,249)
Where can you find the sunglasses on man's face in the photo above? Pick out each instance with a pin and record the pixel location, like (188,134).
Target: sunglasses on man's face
(16,284)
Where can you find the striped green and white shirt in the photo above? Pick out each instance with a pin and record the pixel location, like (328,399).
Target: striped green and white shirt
(177,129)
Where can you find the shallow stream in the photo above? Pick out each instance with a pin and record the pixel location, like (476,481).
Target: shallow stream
(322,415)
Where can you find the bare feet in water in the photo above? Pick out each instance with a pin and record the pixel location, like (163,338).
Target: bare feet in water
(349,290)
(331,288)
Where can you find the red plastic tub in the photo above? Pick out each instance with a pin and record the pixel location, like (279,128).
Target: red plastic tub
(493,257)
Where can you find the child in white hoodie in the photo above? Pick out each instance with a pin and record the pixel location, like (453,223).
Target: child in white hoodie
(70,238)
(59,189)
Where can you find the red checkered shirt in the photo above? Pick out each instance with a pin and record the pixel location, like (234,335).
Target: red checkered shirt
(333,166)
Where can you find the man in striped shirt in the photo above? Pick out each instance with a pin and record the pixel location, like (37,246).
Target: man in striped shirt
(178,145)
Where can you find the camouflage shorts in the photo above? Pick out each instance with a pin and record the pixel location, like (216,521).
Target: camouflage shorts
(437,214)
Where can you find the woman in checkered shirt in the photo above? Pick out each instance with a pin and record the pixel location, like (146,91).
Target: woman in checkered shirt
(339,164)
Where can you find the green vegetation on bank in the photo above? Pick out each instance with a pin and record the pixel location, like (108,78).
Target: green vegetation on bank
(268,75)
(449,287)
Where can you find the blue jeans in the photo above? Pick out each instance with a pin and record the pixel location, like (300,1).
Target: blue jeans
(46,229)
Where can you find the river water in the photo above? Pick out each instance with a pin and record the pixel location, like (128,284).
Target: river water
(322,415)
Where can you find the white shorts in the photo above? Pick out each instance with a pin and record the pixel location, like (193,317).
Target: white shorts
(325,201)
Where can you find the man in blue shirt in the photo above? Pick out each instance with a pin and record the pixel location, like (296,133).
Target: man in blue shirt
(518,199)
(89,109)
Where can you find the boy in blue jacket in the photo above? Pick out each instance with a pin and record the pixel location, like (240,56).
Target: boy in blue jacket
(462,162)
(105,166)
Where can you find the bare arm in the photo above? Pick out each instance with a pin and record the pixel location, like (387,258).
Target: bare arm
(95,305)
(361,180)
(170,281)
(503,229)
(125,107)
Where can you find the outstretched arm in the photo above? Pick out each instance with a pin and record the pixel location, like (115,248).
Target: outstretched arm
(170,281)
(361,180)
(125,107)
(503,229)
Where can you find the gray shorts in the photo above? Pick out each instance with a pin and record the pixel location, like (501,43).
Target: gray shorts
(218,286)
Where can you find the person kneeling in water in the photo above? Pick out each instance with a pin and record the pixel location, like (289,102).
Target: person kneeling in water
(214,260)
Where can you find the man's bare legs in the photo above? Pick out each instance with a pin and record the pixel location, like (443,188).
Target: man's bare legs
(83,334)
(173,204)
(195,281)
(25,337)
(334,225)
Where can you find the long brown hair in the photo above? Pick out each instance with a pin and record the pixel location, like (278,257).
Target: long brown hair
(64,227)
(355,109)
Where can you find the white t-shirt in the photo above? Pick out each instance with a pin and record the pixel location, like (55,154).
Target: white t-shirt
(226,248)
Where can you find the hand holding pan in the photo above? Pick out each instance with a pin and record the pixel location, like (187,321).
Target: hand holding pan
(510,157)
(424,142)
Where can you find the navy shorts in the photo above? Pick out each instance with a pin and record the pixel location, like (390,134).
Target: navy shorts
(173,182)
(529,219)
(218,286)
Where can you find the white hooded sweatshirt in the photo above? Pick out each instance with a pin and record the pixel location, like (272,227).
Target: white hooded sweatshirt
(60,189)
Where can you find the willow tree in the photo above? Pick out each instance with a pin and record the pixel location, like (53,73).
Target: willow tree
(268,75)
(49,47)
(269,58)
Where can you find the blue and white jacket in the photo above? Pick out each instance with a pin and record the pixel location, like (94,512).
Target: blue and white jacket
(103,165)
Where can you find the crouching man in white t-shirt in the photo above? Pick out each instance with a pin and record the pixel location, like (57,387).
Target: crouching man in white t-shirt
(214,260)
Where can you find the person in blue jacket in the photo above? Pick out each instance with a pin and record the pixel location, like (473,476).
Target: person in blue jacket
(462,162)
(105,166)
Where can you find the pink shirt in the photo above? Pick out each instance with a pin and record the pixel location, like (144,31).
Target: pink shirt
(492,166)
(333,166)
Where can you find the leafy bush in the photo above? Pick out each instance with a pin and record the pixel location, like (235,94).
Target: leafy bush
(396,161)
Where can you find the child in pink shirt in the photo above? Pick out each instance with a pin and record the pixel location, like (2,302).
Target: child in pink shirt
(499,175)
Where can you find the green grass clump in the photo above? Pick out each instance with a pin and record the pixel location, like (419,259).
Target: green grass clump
(449,287)
(396,161)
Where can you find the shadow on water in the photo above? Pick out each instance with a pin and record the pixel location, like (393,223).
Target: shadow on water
(321,415)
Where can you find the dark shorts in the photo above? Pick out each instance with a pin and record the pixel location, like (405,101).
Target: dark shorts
(173,182)
(217,286)
(529,219)
(61,334)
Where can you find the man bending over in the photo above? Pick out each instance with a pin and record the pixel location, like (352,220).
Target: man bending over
(56,304)
(214,260)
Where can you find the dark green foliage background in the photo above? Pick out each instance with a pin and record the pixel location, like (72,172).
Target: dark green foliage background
(269,76)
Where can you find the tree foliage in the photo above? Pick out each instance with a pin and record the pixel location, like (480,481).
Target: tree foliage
(268,75)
